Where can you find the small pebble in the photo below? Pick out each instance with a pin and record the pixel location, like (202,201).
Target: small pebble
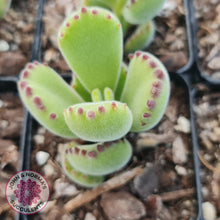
(209,211)
(179,151)
(213,137)
(39,139)
(185,212)
(216,75)
(89,216)
(42,157)
(62,188)
(122,205)
(214,64)
(4,124)
(167,9)
(208,157)
(41,130)
(187,203)
(183,125)
(217,130)
(205,192)
(50,55)
(49,170)
(14,47)
(147,183)
(4,46)
(181,170)
(205,140)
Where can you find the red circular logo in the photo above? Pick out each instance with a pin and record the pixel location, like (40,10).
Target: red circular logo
(27,192)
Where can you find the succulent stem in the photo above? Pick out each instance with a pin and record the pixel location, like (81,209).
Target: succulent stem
(80,89)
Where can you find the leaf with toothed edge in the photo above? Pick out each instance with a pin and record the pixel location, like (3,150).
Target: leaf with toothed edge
(46,95)
(141,38)
(100,159)
(146,91)
(91,42)
(99,121)
(140,11)
(79,177)
(113,5)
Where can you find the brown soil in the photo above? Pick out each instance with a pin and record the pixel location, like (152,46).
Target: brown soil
(11,118)
(207,111)
(170,44)
(16,33)
(208,21)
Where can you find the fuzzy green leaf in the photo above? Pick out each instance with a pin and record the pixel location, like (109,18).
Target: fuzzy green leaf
(78,177)
(100,159)
(146,91)
(91,42)
(99,121)
(140,11)
(46,95)
(141,38)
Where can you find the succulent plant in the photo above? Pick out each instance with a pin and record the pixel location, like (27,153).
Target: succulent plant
(4,6)
(106,99)
(133,12)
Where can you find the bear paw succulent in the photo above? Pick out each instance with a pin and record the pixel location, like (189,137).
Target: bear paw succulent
(106,100)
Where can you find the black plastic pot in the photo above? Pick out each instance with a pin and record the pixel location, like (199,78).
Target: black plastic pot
(188,77)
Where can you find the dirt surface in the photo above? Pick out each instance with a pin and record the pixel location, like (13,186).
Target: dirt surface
(207,111)
(170,44)
(11,118)
(208,21)
(16,36)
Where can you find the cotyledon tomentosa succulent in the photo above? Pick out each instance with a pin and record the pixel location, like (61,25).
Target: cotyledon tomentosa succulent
(106,99)
(133,12)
